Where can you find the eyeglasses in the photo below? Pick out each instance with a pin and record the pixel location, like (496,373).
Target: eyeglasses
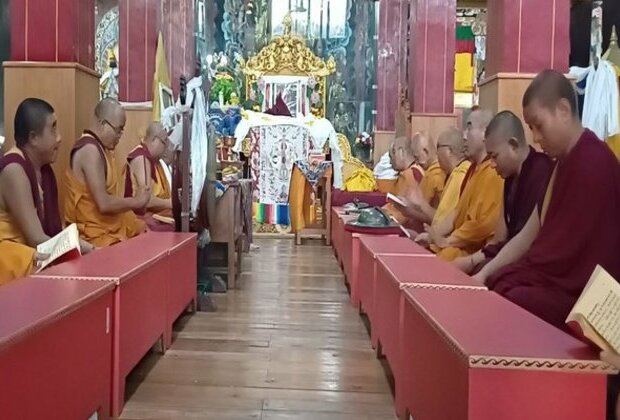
(117,130)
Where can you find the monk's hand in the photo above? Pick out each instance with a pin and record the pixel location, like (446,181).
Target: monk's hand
(611,357)
(423,239)
(85,247)
(464,264)
(39,258)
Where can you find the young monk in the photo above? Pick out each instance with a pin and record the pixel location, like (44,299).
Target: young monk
(473,222)
(29,213)
(526,173)
(410,174)
(144,170)
(102,216)
(545,267)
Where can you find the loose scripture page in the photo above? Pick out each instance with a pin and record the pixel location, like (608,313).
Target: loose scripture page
(66,241)
(598,310)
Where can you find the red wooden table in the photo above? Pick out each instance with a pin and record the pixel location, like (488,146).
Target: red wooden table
(397,272)
(141,270)
(55,349)
(474,355)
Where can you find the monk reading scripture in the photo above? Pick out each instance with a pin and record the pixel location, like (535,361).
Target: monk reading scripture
(29,213)
(93,200)
(545,267)
(425,154)
(473,222)
(410,174)
(526,173)
(144,170)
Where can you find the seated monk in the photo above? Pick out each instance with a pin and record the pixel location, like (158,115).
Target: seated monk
(526,174)
(144,170)
(473,222)
(451,158)
(385,175)
(93,202)
(410,174)
(29,213)
(545,267)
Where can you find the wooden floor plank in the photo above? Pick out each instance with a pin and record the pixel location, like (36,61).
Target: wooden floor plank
(285,345)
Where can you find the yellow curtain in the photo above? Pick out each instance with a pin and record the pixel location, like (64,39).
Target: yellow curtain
(161,75)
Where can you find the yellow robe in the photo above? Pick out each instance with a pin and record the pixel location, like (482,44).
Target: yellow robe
(432,184)
(95,227)
(160,186)
(614,141)
(16,258)
(301,206)
(406,181)
(451,191)
(477,212)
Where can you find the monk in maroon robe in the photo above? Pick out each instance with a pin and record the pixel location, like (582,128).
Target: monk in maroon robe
(526,173)
(545,267)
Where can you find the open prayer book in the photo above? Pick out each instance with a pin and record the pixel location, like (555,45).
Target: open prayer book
(396,199)
(597,311)
(62,247)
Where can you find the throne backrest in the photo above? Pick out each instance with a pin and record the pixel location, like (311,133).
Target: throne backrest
(286,65)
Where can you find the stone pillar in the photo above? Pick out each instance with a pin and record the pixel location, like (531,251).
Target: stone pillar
(52,58)
(524,37)
(432,43)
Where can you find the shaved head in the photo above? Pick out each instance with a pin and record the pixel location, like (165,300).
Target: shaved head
(155,129)
(480,118)
(505,126)
(549,88)
(452,138)
(403,143)
(402,153)
(108,108)
(156,140)
(425,150)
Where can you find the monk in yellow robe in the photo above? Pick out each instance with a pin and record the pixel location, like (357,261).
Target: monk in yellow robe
(94,202)
(29,213)
(473,222)
(452,160)
(410,174)
(425,153)
(144,170)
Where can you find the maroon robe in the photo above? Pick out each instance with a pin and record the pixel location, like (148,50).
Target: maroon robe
(522,193)
(141,150)
(581,230)
(48,210)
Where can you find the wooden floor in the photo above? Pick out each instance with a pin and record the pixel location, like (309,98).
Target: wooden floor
(286,345)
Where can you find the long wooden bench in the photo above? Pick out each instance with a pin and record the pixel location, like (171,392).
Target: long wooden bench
(370,247)
(474,355)
(154,283)
(55,349)
(398,272)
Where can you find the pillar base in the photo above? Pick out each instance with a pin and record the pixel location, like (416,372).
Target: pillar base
(71,88)
(433,124)
(504,92)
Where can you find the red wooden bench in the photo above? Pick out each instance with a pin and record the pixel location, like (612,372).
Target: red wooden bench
(397,272)
(474,355)
(144,304)
(55,348)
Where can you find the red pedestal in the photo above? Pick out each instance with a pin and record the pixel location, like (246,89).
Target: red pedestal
(474,355)
(55,349)
(396,273)
(370,248)
(432,42)
(144,306)
(527,36)
(53,31)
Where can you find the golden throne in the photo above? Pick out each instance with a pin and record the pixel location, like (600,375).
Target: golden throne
(287,59)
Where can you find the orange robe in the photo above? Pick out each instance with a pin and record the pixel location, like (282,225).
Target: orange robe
(160,185)
(477,212)
(407,179)
(16,257)
(80,207)
(432,184)
(451,191)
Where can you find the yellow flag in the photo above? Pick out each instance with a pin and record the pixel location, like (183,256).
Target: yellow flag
(161,75)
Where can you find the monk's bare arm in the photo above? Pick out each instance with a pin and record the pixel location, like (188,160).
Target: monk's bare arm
(515,249)
(139,172)
(88,161)
(20,204)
